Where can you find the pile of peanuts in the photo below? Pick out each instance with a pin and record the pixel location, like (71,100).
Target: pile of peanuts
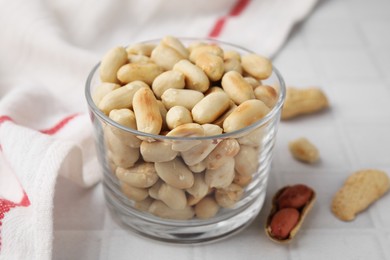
(200,90)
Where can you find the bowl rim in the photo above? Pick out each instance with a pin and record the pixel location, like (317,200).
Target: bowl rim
(278,106)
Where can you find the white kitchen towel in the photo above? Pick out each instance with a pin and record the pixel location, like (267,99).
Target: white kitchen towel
(47,48)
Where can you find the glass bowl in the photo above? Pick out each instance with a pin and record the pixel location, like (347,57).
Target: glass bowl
(239,172)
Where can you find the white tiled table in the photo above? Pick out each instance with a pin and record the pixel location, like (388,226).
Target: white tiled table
(344,48)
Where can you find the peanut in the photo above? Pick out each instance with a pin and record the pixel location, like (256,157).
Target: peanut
(226,149)
(229,196)
(303,101)
(176,44)
(121,97)
(221,177)
(200,189)
(290,206)
(195,78)
(303,150)
(160,209)
(181,97)
(245,114)
(165,57)
(359,191)
(174,198)
(247,160)
(200,49)
(283,222)
(111,62)
(211,129)
(175,173)
(157,151)
(126,118)
(141,49)
(257,66)
(166,80)
(199,152)
(145,72)
(133,193)
(206,208)
(210,108)
(211,64)
(153,191)
(186,130)
(267,94)
(147,112)
(103,89)
(295,196)
(121,154)
(236,87)
(178,115)
(142,175)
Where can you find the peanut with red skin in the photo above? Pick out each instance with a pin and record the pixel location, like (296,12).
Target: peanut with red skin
(294,196)
(283,222)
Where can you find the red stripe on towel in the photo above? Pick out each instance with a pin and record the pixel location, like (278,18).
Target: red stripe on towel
(235,11)
(6,206)
(59,125)
(4,119)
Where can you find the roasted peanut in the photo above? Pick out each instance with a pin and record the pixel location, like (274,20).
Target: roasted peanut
(211,64)
(229,196)
(254,138)
(230,54)
(283,223)
(133,193)
(166,80)
(242,180)
(111,62)
(186,130)
(211,129)
(174,198)
(157,151)
(178,115)
(232,65)
(200,189)
(210,108)
(226,149)
(212,49)
(147,113)
(126,118)
(267,94)
(141,49)
(199,152)
(247,160)
(145,72)
(175,173)
(221,119)
(206,208)
(136,58)
(213,89)
(142,175)
(153,191)
(199,167)
(163,113)
(359,191)
(176,44)
(159,209)
(236,87)
(165,57)
(103,89)
(303,150)
(121,154)
(295,196)
(245,114)
(257,66)
(143,205)
(181,97)
(195,78)
(253,82)
(121,97)
(221,177)
(303,101)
